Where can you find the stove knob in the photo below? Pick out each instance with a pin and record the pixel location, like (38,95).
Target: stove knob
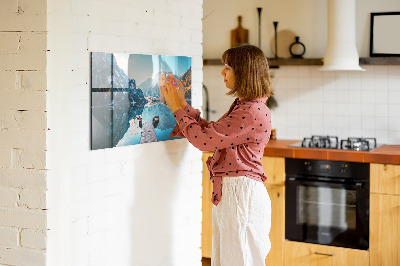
(343,168)
(308,166)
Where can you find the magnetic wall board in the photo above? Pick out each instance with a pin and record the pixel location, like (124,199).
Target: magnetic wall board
(127,106)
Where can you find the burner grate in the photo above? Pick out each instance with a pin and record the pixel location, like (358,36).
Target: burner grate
(332,142)
(327,142)
(358,144)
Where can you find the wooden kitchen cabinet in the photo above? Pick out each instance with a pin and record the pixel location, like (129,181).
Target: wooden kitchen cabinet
(274,168)
(385,215)
(384,236)
(305,254)
(206,225)
(385,178)
(277,233)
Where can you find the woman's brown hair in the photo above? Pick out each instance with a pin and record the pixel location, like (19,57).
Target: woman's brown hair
(250,66)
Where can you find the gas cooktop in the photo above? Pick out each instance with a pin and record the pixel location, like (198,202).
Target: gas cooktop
(332,142)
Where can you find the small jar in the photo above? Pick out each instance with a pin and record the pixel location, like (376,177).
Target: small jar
(273,134)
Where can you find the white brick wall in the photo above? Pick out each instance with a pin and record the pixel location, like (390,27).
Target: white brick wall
(8,197)
(135,205)
(23,126)
(9,237)
(24,256)
(33,239)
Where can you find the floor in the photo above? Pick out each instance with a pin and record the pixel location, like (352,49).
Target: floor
(206,261)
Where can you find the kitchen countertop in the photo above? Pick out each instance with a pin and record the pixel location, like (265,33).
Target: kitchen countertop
(389,154)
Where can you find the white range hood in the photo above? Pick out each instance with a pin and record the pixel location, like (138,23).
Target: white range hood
(341,51)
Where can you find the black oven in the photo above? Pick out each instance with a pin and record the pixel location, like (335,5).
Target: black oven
(327,202)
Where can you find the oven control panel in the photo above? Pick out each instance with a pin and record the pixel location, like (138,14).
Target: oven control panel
(337,169)
(325,167)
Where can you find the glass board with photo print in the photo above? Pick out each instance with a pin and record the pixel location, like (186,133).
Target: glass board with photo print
(127,105)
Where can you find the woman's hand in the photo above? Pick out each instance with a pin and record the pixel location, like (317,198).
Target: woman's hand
(181,90)
(173,97)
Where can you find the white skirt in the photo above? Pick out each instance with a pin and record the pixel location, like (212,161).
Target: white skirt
(241,223)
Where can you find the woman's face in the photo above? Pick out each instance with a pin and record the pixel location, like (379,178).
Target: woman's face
(229,76)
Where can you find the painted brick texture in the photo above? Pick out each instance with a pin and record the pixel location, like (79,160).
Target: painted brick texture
(134,205)
(23,126)
(33,239)
(9,237)
(112,206)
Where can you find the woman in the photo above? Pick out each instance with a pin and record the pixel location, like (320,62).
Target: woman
(242,208)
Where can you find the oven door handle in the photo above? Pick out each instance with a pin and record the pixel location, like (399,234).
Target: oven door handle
(357,185)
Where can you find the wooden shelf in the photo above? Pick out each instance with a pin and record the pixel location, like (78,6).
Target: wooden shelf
(212,62)
(380,61)
(274,63)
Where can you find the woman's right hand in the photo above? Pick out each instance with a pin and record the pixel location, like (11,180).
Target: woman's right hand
(181,90)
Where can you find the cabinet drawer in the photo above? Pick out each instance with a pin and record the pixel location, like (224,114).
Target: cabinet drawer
(304,254)
(385,178)
(274,168)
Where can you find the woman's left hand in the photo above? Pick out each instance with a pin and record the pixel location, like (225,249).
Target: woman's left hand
(171,96)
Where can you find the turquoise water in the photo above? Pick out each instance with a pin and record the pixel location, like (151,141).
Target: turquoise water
(128,139)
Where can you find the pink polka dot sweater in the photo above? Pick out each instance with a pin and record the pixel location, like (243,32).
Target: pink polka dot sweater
(238,139)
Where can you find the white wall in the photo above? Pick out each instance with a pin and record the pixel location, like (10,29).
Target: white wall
(343,104)
(23,133)
(306,19)
(134,205)
(311,102)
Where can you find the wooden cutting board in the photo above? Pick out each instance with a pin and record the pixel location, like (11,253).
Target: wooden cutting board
(239,35)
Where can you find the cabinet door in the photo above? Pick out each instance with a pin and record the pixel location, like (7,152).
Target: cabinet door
(277,233)
(384,230)
(385,178)
(206,226)
(274,168)
(304,254)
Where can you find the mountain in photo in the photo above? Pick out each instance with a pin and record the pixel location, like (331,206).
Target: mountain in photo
(150,88)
